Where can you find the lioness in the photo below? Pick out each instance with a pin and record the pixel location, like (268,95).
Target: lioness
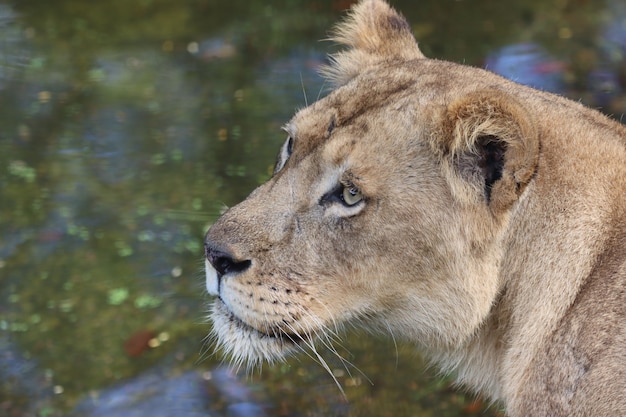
(482,219)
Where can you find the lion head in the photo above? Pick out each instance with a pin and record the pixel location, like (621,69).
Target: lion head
(386,207)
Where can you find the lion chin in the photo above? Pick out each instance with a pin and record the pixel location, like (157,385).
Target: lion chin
(244,344)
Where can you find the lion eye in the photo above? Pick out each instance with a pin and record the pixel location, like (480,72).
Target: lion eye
(345,200)
(351,195)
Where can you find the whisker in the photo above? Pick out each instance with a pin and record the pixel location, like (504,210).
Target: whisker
(335,324)
(321,89)
(306,102)
(329,338)
(295,342)
(318,358)
(395,344)
(325,366)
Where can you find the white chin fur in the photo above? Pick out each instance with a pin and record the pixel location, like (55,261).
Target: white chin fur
(211,278)
(242,343)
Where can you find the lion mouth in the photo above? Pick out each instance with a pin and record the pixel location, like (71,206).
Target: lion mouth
(274,333)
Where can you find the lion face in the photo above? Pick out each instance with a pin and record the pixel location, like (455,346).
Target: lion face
(386,207)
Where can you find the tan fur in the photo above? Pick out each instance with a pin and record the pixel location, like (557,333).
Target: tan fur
(492,229)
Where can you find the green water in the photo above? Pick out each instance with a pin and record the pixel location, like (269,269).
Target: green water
(126,127)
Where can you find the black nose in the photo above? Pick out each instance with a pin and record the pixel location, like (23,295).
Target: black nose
(223,262)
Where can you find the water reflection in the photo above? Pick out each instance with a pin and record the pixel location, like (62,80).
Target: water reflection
(126,128)
(13,47)
(608,80)
(529,64)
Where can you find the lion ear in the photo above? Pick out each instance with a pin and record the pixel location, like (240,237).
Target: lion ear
(374,32)
(491,144)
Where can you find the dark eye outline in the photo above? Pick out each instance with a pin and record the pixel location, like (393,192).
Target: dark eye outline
(285,152)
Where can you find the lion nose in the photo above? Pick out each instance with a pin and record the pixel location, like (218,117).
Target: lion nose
(223,262)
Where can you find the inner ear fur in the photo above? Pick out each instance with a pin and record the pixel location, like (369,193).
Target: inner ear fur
(492,145)
(373,32)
